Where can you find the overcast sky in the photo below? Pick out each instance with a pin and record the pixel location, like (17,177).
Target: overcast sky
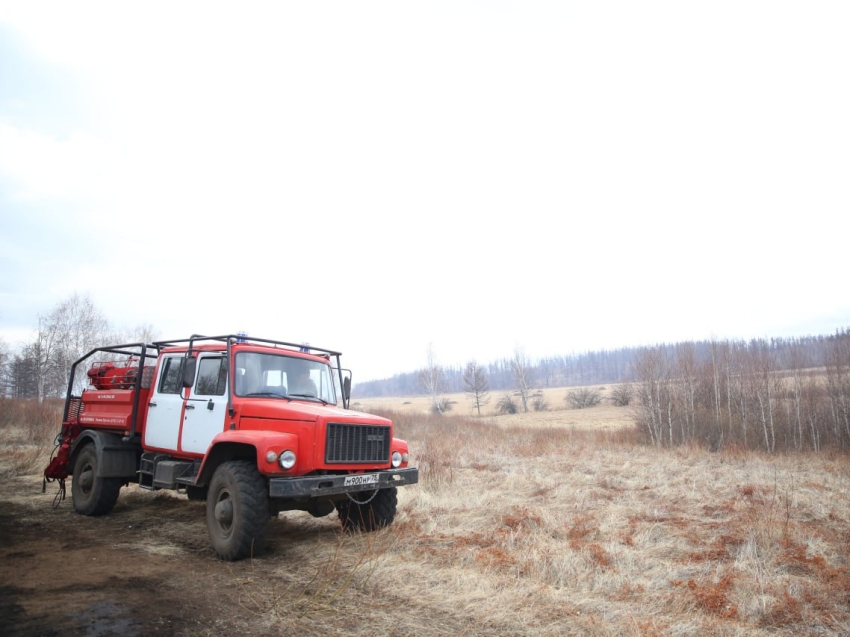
(377,176)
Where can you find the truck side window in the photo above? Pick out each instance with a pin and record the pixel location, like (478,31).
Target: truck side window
(172,371)
(212,377)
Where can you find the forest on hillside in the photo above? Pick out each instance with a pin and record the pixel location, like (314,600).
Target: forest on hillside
(596,367)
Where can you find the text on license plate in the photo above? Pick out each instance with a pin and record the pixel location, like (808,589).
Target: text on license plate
(354,481)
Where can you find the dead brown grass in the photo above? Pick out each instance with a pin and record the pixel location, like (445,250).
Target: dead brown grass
(29,428)
(627,539)
(523,526)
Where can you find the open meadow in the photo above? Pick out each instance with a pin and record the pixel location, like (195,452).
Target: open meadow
(556,522)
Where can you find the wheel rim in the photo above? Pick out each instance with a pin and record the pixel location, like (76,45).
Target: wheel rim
(86,479)
(224,512)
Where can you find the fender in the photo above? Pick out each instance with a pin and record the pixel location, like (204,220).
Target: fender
(115,458)
(399,445)
(246,444)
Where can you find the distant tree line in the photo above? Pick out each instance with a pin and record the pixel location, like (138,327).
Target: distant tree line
(588,368)
(764,394)
(570,370)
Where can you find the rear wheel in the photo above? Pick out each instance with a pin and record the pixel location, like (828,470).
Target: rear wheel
(91,494)
(365,514)
(237,509)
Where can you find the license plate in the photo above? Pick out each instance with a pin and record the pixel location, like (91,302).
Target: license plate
(356,481)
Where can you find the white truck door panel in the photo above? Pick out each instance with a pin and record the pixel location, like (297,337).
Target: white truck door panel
(162,426)
(206,409)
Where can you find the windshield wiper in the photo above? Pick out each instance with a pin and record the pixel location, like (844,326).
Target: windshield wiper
(313,396)
(273,394)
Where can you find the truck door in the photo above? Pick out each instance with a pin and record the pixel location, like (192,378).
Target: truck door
(162,427)
(206,407)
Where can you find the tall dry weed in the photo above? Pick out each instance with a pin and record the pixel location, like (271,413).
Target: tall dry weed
(29,428)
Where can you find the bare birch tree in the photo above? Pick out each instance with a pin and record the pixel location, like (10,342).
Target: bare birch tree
(476,385)
(5,365)
(654,407)
(686,366)
(74,327)
(522,370)
(838,385)
(432,381)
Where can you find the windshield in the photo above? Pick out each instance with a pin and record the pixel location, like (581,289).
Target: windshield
(278,375)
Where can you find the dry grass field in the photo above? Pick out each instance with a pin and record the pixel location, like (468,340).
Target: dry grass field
(605,416)
(546,523)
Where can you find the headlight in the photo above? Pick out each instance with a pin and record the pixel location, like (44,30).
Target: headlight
(396,458)
(271,456)
(405,457)
(287,459)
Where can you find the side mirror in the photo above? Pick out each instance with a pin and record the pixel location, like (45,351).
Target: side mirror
(189,367)
(346,388)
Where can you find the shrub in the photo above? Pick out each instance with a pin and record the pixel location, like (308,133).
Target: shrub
(621,395)
(444,405)
(583,397)
(507,405)
(539,403)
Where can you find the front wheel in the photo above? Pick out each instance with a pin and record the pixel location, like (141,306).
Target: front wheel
(92,495)
(365,514)
(237,509)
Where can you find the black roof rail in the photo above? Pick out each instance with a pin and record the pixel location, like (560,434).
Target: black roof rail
(242,338)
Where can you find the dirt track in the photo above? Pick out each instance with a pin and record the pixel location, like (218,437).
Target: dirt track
(64,573)
(145,568)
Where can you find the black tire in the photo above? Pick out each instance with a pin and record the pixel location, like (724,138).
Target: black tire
(377,513)
(196,494)
(92,495)
(237,509)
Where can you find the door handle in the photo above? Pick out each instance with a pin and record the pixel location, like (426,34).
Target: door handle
(151,404)
(190,406)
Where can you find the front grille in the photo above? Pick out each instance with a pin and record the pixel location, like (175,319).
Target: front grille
(357,443)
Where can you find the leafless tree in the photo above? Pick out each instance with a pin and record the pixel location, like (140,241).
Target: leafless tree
(432,381)
(838,385)
(686,367)
(796,362)
(765,391)
(718,351)
(546,370)
(654,401)
(522,370)
(476,385)
(144,333)
(5,363)
(72,328)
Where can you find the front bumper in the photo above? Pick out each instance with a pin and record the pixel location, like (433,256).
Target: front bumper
(320,486)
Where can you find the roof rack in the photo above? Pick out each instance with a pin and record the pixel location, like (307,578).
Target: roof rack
(242,338)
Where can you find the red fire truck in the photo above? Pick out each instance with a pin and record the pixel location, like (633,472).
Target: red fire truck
(253,426)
